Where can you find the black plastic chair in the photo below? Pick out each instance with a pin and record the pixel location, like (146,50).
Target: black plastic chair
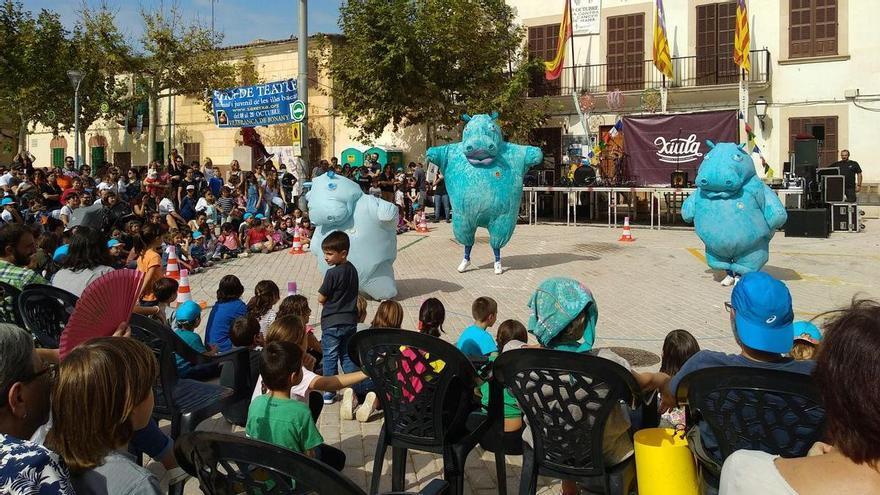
(424,409)
(229,464)
(773,411)
(566,399)
(44,311)
(9,304)
(184,402)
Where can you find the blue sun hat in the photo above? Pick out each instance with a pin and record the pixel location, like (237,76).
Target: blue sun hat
(554,304)
(807,331)
(764,314)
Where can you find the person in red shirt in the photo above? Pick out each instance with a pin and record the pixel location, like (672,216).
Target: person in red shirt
(258,239)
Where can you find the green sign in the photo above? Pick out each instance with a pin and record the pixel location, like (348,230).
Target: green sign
(298,111)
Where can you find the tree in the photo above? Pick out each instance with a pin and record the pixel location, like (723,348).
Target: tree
(34,87)
(412,62)
(177,59)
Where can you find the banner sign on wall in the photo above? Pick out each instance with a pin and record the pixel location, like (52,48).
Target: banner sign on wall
(657,145)
(258,105)
(585,16)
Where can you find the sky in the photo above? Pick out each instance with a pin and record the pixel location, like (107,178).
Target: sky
(241,21)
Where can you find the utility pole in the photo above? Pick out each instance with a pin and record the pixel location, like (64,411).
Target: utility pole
(212,19)
(76,78)
(302,82)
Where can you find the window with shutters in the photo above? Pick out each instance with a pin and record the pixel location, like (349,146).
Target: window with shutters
(191,153)
(716,29)
(625,54)
(823,128)
(58,157)
(812,28)
(542,46)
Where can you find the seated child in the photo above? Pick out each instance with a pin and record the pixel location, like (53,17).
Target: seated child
(197,248)
(389,314)
(806,341)
(431,317)
(511,335)
(258,240)
(165,290)
(117,254)
(260,306)
(280,420)
(245,332)
(476,340)
(227,243)
(678,347)
(298,305)
(188,316)
(362,313)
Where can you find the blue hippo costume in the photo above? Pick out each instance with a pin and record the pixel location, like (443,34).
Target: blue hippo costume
(734,213)
(337,203)
(484,178)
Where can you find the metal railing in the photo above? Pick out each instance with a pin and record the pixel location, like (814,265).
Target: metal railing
(689,72)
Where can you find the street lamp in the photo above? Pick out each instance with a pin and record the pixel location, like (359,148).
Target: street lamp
(761,105)
(76,78)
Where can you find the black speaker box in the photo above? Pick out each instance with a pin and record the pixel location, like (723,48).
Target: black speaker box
(806,152)
(832,189)
(678,179)
(807,223)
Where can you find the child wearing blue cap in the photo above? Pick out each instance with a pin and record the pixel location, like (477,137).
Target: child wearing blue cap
(188,317)
(806,340)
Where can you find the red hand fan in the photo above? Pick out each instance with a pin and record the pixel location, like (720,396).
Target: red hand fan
(104,304)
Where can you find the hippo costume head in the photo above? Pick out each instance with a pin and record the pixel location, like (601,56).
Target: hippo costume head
(481,139)
(337,207)
(725,170)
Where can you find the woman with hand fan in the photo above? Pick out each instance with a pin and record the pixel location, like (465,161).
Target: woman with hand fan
(88,259)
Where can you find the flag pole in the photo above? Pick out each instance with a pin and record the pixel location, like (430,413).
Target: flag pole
(571,40)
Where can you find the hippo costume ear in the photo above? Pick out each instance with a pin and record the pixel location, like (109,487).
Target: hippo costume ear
(465,117)
(710,144)
(494,115)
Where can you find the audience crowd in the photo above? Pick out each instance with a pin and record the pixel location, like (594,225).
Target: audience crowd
(65,426)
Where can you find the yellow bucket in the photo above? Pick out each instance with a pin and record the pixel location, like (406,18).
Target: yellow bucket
(664,464)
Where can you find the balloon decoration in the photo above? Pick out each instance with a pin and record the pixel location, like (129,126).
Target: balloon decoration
(651,100)
(586,102)
(616,100)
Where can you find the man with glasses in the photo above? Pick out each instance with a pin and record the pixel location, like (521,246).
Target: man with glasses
(25,385)
(761,319)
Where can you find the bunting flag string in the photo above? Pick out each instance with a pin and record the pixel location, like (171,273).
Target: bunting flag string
(753,146)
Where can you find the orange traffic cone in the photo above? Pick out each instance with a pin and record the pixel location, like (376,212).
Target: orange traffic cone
(172,270)
(297,243)
(627,233)
(422,226)
(183,291)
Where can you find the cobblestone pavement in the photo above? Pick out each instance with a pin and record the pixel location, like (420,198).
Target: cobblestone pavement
(643,289)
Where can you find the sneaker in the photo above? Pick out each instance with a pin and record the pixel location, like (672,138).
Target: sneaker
(736,280)
(728,281)
(329,398)
(498,269)
(464,265)
(349,403)
(367,408)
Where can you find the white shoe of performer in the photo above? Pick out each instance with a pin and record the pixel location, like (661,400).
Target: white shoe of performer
(464,265)
(736,280)
(728,281)
(498,269)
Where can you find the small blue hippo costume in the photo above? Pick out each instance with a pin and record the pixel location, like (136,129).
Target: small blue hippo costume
(484,178)
(734,213)
(337,203)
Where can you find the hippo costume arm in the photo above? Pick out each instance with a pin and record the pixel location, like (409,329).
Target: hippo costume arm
(688,208)
(438,155)
(774,210)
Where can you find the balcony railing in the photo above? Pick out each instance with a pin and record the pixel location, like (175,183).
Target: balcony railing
(689,72)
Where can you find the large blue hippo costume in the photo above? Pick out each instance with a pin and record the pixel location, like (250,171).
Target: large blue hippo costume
(734,213)
(337,203)
(484,178)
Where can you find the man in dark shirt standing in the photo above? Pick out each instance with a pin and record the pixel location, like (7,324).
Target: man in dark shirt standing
(418,174)
(852,175)
(287,182)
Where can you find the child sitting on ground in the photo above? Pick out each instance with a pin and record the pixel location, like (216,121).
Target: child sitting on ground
(678,347)
(511,335)
(188,316)
(165,290)
(258,240)
(806,341)
(227,243)
(298,305)
(197,248)
(476,340)
(280,420)
(266,295)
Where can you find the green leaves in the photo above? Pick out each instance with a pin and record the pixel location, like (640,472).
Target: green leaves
(411,62)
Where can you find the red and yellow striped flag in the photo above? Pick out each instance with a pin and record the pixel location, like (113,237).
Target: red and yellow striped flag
(553,68)
(662,59)
(741,41)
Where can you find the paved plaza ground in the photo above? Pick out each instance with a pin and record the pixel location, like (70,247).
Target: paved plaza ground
(643,290)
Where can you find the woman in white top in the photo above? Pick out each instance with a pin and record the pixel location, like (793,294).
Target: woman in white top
(847,371)
(88,259)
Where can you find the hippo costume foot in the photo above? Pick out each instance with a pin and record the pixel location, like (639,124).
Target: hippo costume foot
(734,213)
(484,179)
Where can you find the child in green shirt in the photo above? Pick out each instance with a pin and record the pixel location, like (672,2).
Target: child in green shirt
(276,418)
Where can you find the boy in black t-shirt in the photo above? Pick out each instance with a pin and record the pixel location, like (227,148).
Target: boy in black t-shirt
(338,294)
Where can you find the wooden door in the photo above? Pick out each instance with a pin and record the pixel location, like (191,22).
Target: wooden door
(716,29)
(625,54)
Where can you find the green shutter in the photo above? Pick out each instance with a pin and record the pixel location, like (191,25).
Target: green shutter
(58,157)
(160,151)
(97,158)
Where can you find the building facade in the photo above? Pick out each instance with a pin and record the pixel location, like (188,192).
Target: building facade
(184,123)
(814,61)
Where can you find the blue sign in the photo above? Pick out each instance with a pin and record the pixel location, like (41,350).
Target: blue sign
(259,105)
